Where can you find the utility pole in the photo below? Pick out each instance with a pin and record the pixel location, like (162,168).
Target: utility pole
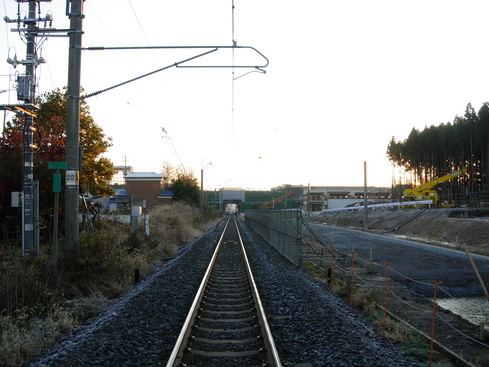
(73,153)
(202,185)
(365,197)
(27,83)
(26,93)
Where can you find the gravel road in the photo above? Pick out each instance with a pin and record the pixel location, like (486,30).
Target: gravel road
(310,326)
(417,261)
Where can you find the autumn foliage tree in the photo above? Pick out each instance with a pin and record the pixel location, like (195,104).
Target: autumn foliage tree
(50,138)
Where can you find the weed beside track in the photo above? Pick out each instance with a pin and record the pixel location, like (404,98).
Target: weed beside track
(38,308)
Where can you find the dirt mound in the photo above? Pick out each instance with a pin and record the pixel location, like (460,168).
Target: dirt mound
(444,227)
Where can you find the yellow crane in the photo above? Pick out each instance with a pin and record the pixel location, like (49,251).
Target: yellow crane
(425,192)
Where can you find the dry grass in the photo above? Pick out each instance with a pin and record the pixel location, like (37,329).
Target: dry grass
(176,225)
(367,300)
(24,334)
(38,308)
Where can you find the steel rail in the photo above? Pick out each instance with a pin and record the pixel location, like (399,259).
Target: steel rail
(271,349)
(184,333)
(178,351)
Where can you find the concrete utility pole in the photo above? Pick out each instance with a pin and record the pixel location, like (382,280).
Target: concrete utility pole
(202,203)
(73,152)
(365,197)
(26,92)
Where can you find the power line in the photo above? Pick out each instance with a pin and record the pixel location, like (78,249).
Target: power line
(167,136)
(6,25)
(102,22)
(142,30)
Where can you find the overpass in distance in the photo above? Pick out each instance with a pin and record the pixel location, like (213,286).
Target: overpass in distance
(317,198)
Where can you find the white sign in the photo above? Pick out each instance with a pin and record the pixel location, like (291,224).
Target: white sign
(71,178)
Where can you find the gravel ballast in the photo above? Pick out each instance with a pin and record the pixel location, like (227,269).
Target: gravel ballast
(311,327)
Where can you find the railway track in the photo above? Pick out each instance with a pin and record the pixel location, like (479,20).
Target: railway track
(226,325)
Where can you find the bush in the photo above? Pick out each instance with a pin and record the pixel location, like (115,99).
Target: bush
(175,224)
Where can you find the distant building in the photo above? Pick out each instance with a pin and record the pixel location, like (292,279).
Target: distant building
(333,197)
(313,198)
(166,197)
(120,173)
(147,189)
(120,201)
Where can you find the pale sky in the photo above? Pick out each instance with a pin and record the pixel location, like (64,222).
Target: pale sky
(344,77)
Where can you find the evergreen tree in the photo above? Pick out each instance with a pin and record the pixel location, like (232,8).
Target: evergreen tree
(186,188)
(438,150)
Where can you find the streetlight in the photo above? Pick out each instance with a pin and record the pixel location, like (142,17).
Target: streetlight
(202,185)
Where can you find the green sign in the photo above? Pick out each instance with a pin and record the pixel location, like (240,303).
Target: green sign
(56,182)
(57,165)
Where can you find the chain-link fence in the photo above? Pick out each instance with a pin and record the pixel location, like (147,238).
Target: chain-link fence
(281,228)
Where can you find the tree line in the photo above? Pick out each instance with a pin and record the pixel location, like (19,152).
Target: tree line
(438,150)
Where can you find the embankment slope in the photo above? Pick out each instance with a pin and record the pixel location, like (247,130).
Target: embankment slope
(442,227)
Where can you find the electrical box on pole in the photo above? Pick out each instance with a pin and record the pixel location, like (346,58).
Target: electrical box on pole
(23,87)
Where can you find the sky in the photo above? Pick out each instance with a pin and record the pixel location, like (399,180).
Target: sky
(343,78)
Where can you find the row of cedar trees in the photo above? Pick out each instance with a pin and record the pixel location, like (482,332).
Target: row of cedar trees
(439,150)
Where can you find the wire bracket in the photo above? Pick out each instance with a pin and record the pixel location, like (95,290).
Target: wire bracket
(180,64)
